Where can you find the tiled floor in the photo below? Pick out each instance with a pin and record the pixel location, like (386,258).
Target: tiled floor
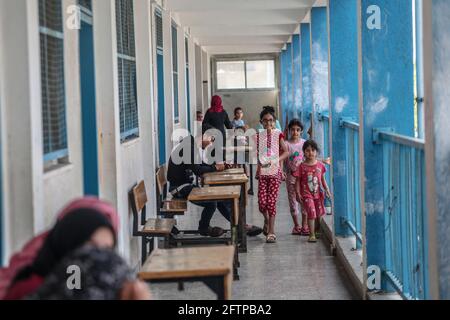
(290,269)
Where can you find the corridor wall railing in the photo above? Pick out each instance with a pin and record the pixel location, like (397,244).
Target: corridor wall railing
(352,219)
(405,213)
(325,119)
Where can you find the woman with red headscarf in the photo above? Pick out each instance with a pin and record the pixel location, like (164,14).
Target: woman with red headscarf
(84,222)
(217,117)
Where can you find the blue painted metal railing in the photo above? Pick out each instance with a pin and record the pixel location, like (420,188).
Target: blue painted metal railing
(405,213)
(352,168)
(325,119)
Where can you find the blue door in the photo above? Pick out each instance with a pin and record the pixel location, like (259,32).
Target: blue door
(160,84)
(161,111)
(88,107)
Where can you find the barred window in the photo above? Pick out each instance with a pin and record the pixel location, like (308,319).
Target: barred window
(175,73)
(52,81)
(129,123)
(159,32)
(86,4)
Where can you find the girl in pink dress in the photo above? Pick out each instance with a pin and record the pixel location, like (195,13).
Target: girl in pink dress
(311,185)
(272,151)
(295,149)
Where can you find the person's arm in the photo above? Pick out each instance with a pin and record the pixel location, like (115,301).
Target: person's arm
(284,150)
(200,169)
(227,121)
(325,186)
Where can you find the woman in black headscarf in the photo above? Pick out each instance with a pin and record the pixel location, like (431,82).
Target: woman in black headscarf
(74,230)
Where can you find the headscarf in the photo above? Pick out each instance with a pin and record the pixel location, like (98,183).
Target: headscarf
(216,104)
(102,272)
(69,233)
(29,252)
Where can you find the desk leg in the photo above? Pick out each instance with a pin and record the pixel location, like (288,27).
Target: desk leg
(219,286)
(242,221)
(250,191)
(234,237)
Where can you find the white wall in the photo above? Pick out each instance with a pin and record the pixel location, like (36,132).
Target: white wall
(251,101)
(29,192)
(192,81)
(123,165)
(32,197)
(67,181)
(198,80)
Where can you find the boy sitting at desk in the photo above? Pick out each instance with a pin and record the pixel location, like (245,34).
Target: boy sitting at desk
(181,182)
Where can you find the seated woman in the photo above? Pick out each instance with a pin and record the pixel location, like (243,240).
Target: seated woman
(86,221)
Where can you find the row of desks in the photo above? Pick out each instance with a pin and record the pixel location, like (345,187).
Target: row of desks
(216,265)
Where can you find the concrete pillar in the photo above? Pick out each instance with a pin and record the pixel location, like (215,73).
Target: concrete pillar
(289,85)
(21,127)
(305,39)
(283,87)
(198,79)
(319,65)
(436,46)
(344,97)
(386,75)
(107,89)
(297,76)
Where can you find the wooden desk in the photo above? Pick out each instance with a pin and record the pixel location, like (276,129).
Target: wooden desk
(212,265)
(242,149)
(230,180)
(227,171)
(223,193)
(219,194)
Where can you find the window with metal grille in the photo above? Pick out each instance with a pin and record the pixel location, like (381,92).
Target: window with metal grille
(129,123)
(86,4)
(52,81)
(159,32)
(175,73)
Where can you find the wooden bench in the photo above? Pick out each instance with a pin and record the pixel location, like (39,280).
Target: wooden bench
(167,207)
(147,229)
(175,207)
(212,265)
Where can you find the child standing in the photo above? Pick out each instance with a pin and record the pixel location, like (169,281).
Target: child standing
(310,185)
(295,149)
(272,151)
(238,122)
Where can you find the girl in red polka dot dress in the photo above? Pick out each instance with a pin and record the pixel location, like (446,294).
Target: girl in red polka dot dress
(272,150)
(310,187)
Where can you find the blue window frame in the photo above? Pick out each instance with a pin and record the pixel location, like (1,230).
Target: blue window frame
(159,37)
(53,95)
(126,53)
(176,106)
(188,93)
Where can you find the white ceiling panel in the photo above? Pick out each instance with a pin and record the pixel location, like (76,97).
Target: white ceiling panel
(241,26)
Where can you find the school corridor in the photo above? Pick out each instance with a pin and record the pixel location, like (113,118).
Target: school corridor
(95,95)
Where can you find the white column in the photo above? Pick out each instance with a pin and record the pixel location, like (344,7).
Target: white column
(21,121)
(107,96)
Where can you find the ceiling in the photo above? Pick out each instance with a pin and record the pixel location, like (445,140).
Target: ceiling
(241,26)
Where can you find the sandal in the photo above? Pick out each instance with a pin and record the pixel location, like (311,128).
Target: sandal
(271,238)
(305,232)
(312,239)
(297,231)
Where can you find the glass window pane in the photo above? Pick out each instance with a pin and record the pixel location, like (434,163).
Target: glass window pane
(260,74)
(231,75)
